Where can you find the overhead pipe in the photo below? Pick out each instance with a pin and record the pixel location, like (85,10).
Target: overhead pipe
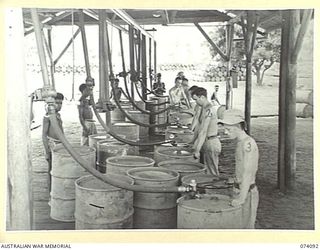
(41,52)
(105,177)
(127,95)
(84,43)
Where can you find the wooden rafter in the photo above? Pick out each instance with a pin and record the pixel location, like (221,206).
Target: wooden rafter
(214,46)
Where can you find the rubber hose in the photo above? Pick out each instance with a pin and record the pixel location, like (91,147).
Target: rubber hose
(144,111)
(133,120)
(151,104)
(105,177)
(108,130)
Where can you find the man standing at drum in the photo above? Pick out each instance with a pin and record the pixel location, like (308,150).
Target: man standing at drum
(85,114)
(205,136)
(247,157)
(49,137)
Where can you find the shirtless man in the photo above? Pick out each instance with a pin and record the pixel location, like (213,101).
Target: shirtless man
(49,137)
(247,157)
(85,114)
(205,136)
(175,93)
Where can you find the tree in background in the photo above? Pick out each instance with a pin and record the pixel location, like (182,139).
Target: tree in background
(266,51)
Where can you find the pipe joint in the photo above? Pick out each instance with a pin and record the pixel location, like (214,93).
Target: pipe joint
(90,82)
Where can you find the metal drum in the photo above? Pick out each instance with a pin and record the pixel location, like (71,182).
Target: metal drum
(173,153)
(183,167)
(129,130)
(93,139)
(102,206)
(208,212)
(110,148)
(65,170)
(179,134)
(152,118)
(117,114)
(121,164)
(154,210)
(162,117)
(143,118)
(141,104)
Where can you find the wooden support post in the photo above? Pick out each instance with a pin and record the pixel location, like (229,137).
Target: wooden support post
(291,42)
(131,53)
(84,43)
(150,62)
(229,40)
(282,100)
(19,169)
(290,145)
(144,66)
(249,33)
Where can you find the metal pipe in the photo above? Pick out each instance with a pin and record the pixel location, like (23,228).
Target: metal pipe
(84,43)
(102,59)
(41,52)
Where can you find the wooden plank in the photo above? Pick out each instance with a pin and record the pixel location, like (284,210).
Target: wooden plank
(19,192)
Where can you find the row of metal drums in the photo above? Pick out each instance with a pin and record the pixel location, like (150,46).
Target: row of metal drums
(93,204)
(155,104)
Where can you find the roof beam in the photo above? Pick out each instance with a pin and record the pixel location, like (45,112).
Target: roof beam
(214,46)
(94,15)
(129,20)
(51,21)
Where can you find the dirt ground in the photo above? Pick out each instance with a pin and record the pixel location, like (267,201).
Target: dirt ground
(293,210)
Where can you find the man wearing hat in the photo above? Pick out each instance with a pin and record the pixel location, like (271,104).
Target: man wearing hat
(247,157)
(159,86)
